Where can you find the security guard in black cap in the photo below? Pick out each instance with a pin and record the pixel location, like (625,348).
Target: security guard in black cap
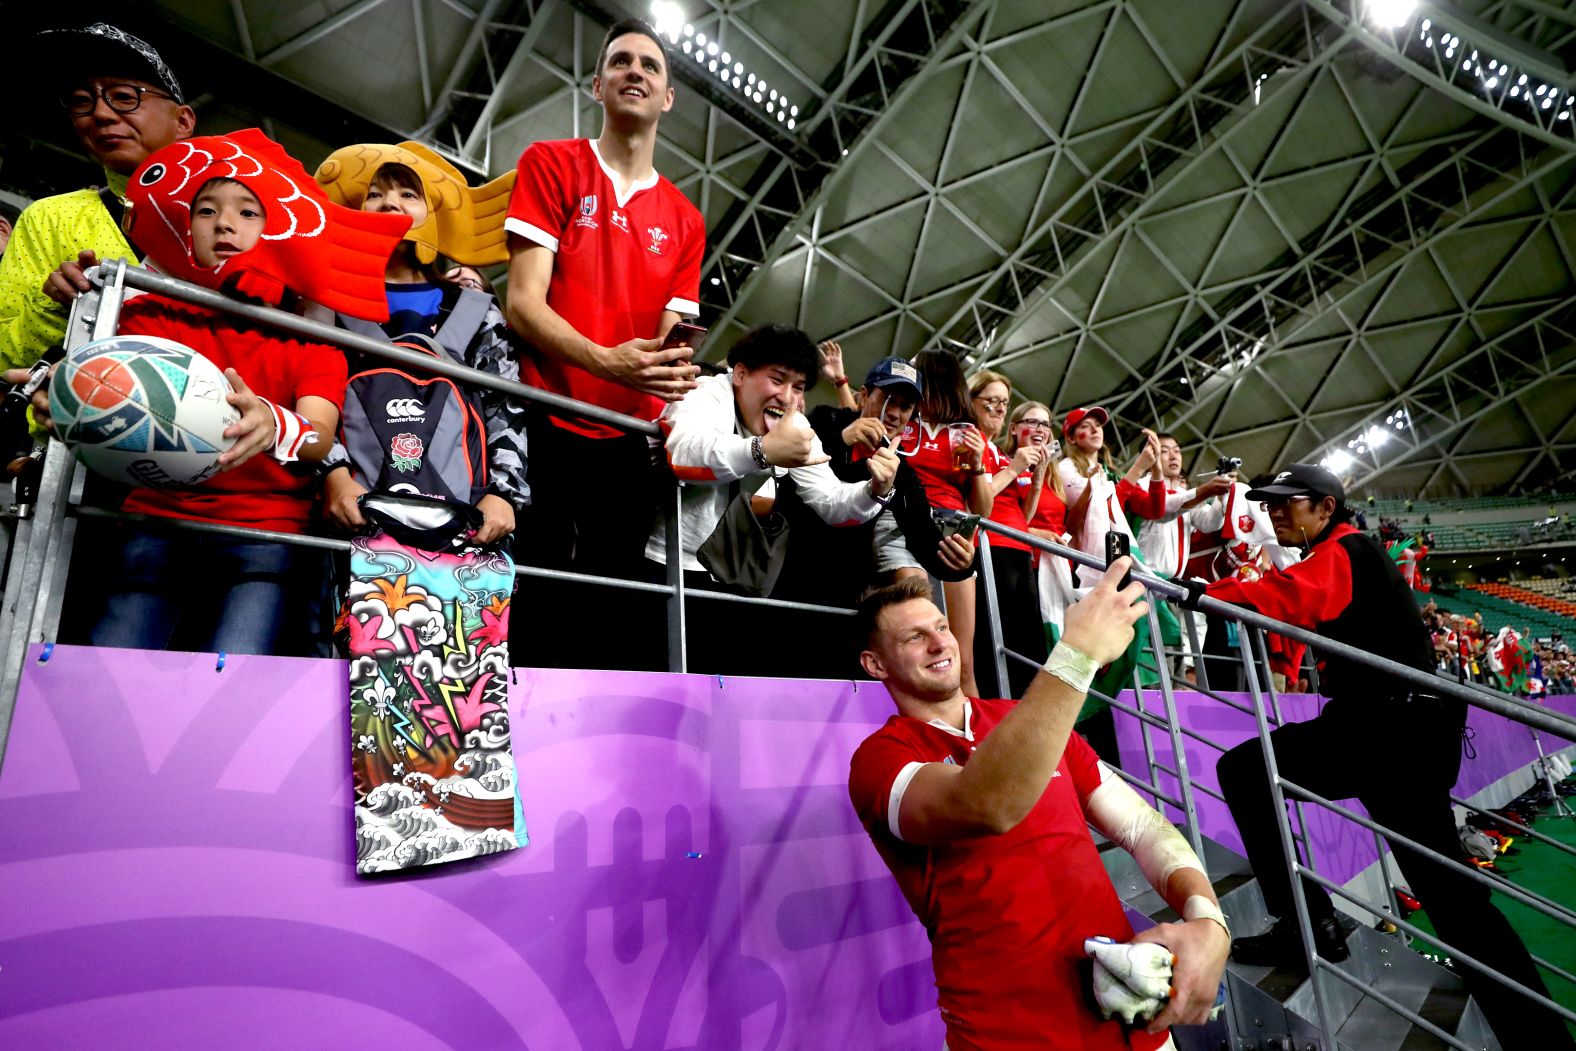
(1348,589)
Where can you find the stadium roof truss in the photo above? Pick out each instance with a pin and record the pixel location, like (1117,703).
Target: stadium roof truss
(1281,229)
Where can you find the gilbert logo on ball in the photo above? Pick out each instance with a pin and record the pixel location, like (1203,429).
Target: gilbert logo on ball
(143,410)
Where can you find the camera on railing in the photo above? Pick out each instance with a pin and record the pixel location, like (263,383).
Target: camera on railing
(1228,464)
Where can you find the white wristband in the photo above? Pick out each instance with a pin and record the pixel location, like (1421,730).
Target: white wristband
(291,432)
(1198,907)
(1073,666)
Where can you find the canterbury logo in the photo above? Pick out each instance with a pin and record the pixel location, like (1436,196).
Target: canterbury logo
(405,409)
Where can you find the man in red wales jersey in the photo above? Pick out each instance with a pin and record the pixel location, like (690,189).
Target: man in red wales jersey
(605,256)
(981,809)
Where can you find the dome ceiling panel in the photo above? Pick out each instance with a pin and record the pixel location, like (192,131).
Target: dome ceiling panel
(990,127)
(1127,78)
(918,130)
(995,199)
(955,252)
(1043,65)
(1189,236)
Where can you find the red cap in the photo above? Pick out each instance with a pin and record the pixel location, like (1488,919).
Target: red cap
(1077,416)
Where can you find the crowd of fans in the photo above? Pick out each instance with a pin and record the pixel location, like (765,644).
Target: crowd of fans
(1508,660)
(603,254)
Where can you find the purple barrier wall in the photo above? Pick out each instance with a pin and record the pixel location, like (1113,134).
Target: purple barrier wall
(177,871)
(1341,848)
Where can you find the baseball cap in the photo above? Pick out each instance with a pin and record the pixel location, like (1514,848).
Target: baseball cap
(101,49)
(895,372)
(1301,479)
(1077,416)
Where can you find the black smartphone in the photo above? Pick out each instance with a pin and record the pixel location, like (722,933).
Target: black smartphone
(955,523)
(684,333)
(1118,545)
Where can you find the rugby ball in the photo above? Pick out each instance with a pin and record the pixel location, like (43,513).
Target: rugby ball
(143,410)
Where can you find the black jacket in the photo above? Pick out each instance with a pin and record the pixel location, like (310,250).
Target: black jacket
(833,565)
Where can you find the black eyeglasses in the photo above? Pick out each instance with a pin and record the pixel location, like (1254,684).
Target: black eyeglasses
(122,98)
(1281,501)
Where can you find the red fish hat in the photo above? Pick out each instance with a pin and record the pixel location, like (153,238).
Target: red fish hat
(320,250)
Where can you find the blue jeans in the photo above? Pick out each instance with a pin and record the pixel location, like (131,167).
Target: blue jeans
(226,595)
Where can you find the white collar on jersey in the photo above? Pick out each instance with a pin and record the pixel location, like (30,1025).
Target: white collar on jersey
(635,187)
(967,733)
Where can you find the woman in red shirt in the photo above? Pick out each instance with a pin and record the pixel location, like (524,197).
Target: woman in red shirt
(1015,492)
(1031,424)
(948,457)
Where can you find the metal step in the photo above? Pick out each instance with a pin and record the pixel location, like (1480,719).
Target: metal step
(1274,1008)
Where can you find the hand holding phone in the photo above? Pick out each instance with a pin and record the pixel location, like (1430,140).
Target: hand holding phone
(683,334)
(955,523)
(1118,545)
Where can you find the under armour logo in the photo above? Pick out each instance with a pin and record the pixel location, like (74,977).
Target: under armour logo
(405,409)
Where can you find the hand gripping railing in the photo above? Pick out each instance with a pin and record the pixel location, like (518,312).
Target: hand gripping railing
(42,544)
(1265,710)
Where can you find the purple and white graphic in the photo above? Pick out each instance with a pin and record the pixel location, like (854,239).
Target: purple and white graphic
(178,872)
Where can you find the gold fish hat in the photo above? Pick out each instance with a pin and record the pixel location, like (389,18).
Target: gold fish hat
(464,223)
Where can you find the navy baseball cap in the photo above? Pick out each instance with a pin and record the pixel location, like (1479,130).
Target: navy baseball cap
(895,372)
(1301,479)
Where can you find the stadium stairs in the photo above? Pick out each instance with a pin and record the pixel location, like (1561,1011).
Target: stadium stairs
(1274,1008)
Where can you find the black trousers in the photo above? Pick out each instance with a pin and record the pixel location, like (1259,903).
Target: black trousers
(1022,630)
(593,502)
(1409,792)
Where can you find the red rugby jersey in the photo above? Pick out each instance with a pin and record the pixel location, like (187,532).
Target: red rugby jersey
(1007,508)
(261,493)
(1007,915)
(619,263)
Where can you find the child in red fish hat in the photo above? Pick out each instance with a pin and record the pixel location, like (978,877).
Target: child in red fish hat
(237,214)
(319,250)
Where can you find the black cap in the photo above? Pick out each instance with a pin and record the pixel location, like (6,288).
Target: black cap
(1301,479)
(101,49)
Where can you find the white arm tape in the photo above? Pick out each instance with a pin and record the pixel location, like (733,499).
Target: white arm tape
(1073,666)
(291,432)
(1124,818)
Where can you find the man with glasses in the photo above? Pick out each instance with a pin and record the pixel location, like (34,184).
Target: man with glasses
(1348,589)
(123,103)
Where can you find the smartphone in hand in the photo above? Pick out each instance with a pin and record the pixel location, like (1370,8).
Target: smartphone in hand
(683,333)
(1118,545)
(958,523)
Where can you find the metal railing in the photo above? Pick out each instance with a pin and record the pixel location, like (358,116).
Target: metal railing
(42,541)
(31,605)
(1266,712)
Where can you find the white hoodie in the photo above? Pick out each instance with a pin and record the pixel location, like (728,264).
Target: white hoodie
(709,448)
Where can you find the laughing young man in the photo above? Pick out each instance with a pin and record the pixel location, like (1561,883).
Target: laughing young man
(747,426)
(982,808)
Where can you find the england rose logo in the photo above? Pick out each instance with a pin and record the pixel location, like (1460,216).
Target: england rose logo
(405,450)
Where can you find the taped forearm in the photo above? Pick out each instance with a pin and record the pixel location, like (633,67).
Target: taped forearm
(1124,818)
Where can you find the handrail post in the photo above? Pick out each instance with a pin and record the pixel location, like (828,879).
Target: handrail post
(1262,645)
(1389,884)
(1288,848)
(1200,665)
(1143,732)
(678,660)
(1184,778)
(987,577)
